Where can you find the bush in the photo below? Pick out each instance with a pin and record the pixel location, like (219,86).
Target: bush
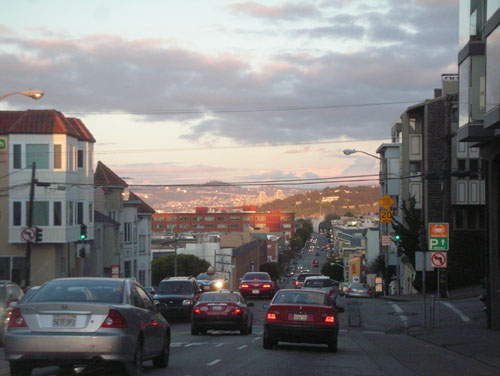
(187,265)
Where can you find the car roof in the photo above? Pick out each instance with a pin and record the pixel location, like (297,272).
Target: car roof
(318,277)
(304,291)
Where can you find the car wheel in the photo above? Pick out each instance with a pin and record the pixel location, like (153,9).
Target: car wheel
(134,368)
(194,330)
(20,369)
(161,361)
(332,343)
(267,342)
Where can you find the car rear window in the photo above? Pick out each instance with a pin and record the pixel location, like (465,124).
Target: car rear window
(80,290)
(300,297)
(218,297)
(318,283)
(175,287)
(302,277)
(256,276)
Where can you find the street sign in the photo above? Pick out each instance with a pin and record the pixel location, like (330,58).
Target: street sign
(438,237)
(28,234)
(386,202)
(419,261)
(3,143)
(386,216)
(387,240)
(438,259)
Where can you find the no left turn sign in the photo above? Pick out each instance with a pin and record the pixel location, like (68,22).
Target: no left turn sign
(28,234)
(438,259)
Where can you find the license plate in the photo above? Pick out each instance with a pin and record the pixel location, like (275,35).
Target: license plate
(64,321)
(255,291)
(217,308)
(298,317)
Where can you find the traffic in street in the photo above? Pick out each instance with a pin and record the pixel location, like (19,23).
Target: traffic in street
(372,338)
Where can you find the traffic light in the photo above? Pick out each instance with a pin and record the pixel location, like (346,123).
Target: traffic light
(83,232)
(397,237)
(38,234)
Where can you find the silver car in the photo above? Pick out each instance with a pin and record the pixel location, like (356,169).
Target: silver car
(359,290)
(87,321)
(323,283)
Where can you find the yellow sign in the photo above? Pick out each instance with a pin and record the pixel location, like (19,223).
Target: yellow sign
(386,202)
(355,267)
(386,216)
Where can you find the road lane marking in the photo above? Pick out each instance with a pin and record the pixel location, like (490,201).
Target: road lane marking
(372,332)
(4,371)
(196,344)
(457,311)
(214,362)
(401,315)
(256,339)
(242,347)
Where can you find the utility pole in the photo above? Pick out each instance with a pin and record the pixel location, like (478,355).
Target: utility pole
(175,255)
(30,224)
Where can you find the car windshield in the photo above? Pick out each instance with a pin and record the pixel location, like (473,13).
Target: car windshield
(300,297)
(218,297)
(209,277)
(80,290)
(256,276)
(175,287)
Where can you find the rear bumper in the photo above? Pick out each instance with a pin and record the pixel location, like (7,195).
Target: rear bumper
(300,333)
(50,348)
(220,323)
(262,293)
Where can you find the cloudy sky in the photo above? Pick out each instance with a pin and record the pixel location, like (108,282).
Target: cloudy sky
(180,91)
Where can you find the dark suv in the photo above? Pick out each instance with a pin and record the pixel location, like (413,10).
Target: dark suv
(179,294)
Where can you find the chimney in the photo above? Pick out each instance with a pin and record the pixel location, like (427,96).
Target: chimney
(450,83)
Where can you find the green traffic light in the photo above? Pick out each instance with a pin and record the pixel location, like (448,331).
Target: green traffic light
(82,237)
(397,237)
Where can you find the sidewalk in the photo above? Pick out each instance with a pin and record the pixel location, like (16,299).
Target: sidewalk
(472,339)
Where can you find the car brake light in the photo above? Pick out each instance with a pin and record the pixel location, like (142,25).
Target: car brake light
(370,291)
(266,286)
(237,311)
(244,286)
(330,319)
(349,290)
(114,320)
(16,319)
(296,283)
(271,316)
(197,311)
(332,293)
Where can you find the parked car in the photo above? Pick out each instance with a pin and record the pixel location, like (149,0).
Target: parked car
(325,284)
(358,290)
(212,281)
(299,282)
(86,321)
(179,294)
(257,284)
(301,316)
(222,310)
(10,294)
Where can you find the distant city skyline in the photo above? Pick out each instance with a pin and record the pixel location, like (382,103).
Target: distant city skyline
(188,92)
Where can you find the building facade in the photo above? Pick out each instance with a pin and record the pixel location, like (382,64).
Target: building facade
(479,121)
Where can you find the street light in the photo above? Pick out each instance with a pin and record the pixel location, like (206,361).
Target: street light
(35,94)
(352,151)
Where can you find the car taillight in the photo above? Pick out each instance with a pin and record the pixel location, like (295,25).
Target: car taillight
(349,290)
(197,311)
(114,320)
(271,316)
(244,286)
(16,319)
(296,283)
(266,286)
(330,319)
(370,291)
(236,311)
(332,293)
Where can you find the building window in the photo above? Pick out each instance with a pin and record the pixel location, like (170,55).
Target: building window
(57,213)
(235,225)
(210,225)
(196,219)
(185,219)
(184,225)
(91,212)
(112,214)
(16,213)
(158,226)
(81,158)
(221,225)
(221,218)
(461,165)
(127,232)
(170,219)
(459,219)
(57,156)
(493,70)
(142,243)
(234,218)
(171,226)
(79,213)
(69,214)
(40,213)
(209,219)
(286,225)
(158,219)
(247,218)
(473,165)
(198,226)
(38,153)
(286,218)
(17,156)
(260,218)
(471,219)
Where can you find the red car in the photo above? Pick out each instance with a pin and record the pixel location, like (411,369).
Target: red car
(221,310)
(301,316)
(257,284)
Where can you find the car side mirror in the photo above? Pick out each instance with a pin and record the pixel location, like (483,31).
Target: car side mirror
(250,304)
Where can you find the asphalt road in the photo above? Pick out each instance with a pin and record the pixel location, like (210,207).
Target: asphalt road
(375,343)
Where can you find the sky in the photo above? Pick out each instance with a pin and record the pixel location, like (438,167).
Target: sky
(179,91)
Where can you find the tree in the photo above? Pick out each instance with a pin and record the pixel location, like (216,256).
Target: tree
(273,268)
(327,222)
(187,265)
(333,269)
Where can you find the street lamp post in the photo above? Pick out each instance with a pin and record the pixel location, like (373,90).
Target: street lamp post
(35,94)
(352,151)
